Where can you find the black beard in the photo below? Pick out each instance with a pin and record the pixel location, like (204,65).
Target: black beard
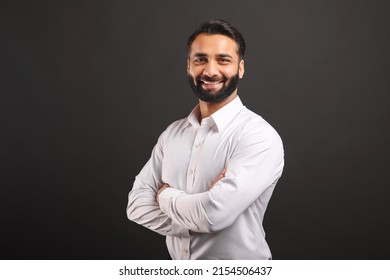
(218,96)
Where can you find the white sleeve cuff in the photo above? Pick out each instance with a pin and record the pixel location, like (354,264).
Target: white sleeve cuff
(165,198)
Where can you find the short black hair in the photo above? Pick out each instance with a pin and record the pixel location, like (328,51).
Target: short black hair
(222,27)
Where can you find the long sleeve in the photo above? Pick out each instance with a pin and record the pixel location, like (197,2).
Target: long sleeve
(252,172)
(226,221)
(142,207)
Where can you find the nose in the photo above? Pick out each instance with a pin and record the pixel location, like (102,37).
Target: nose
(211,69)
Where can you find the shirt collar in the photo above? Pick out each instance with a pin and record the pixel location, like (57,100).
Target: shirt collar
(193,118)
(222,117)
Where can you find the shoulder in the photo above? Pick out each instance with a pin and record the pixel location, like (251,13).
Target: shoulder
(173,128)
(177,125)
(255,123)
(256,127)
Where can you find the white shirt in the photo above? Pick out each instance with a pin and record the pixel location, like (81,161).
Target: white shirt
(226,221)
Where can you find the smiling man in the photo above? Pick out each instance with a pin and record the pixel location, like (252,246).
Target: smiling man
(211,175)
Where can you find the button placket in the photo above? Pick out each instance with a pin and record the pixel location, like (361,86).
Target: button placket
(185,254)
(196,149)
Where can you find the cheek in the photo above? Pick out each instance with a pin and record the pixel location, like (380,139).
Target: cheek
(230,71)
(194,71)
(192,78)
(229,75)
(195,76)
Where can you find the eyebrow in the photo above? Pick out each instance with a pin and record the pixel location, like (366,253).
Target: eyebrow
(224,56)
(200,55)
(218,55)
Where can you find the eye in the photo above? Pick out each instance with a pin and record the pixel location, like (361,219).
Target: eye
(225,60)
(199,60)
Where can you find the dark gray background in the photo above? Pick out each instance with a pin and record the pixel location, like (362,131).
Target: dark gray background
(87,87)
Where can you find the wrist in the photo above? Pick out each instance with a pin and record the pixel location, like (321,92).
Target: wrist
(163,187)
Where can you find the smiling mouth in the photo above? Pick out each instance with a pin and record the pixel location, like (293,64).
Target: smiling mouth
(211,85)
(211,82)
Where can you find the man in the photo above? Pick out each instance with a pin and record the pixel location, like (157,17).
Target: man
(210,176)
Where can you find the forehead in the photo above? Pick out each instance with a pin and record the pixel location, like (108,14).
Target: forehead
(213,45)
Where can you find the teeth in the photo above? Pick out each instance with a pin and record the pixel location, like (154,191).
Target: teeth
(210,83)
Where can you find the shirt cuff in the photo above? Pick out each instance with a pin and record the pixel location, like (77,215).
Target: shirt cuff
(165,198)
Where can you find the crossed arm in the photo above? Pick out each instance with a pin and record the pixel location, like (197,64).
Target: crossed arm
(165,186)
(254,168)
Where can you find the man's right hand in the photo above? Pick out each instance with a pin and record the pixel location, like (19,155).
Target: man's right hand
(163,187)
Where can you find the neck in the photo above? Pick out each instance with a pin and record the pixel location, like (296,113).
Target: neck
(207,109)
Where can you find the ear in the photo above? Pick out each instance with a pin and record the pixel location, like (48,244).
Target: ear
(188,65)
(241,69)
